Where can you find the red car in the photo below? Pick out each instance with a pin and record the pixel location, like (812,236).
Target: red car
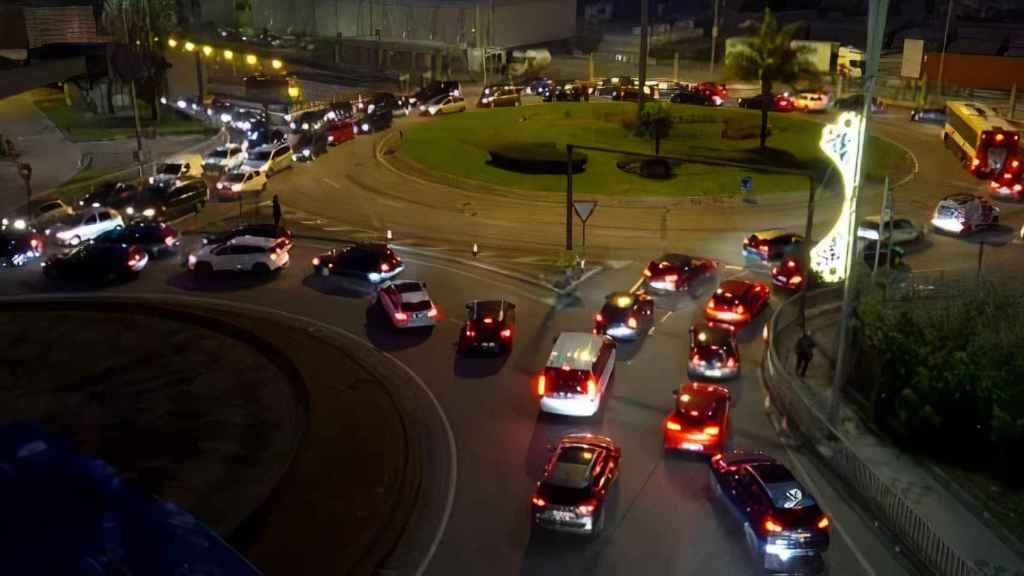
(737,302)
(570,497)
(717,92)
(788,276)
(713,351)
(673,272)
(700,420)
(339,131)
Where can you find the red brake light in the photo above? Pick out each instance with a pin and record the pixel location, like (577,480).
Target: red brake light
(1015,163)
(432,312)
(975,162)
(823,523)
(598,317)
(647,272)
(631,322)
(384,267)
(316,261)
(34,243)
(763,248)
(999,137)
(673,425)
(586,508)
(791,264)
(795,280)
(711,430)
(775,270)
(695,359)
(993,184)
(538,502)
(591,389)
(671,277)
(469,331)
(716,457)
(401,316)
(730,363)
(169,240)
(540,385)
(488,320)
(771,526)
(711,305)
(506,333)
(1017,187)
(740,309)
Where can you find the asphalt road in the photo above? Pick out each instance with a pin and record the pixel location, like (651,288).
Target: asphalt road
(662,514)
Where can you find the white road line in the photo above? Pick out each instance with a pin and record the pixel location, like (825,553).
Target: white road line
(651,331)
(310,221)
(732,267)
(637,285)
(665,317)
(336,228)
(332,183)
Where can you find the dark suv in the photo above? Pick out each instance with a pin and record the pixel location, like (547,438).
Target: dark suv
(170,199)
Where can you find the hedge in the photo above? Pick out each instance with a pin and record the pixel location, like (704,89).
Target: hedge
(536,158)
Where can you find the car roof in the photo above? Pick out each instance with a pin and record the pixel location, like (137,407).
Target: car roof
(375,248)
(735,287)
(960,198)
(575,350)
(714,329)
(573,466)
(770,233)
(676,259)
(408,288)
(251,241)
(490,308)
(698,399)
(620,300)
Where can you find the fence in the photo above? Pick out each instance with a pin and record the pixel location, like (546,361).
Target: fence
(807,417)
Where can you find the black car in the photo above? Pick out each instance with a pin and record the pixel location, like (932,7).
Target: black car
(381,101)
(259,230)
(714,352)
(375,121)
(577,480)
(376,262)
(776,102)
(490,327)
(675,272)
(693,98)
(308,121)
(891,258)
(19,247)
(340,110)
(261,134)
(929,115)
(431,91)
(96,263)
(772,245)
(116,195)
(310,146)
(625,315)
(565,93)
(783,525)
(156,238)
(169,198)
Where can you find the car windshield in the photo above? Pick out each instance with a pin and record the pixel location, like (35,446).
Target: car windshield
(572,469)
(234,177)
(562,380)
(172,169)
(488,310)
(613,314)
(712,336)
(407,287)
(788,494)
(948,211)
(219,153)
(697,409)
(261,155)
(50,207)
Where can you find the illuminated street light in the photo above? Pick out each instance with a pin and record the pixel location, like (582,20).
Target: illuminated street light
(251,59)
(276,64)
(190,46)
(207,50)
(293,92)
(172,42)
(229,55)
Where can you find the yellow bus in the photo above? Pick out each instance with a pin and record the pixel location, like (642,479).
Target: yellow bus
(984,141)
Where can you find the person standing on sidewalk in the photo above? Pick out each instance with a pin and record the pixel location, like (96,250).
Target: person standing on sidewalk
(276,205)
(804,353)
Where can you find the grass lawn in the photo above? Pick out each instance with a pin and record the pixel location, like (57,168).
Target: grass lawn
(80,125)
(458,145)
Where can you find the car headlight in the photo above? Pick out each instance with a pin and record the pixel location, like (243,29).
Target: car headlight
(192,260)
(305,152)
(370,108)
(209,111)
(182,104)
(330,138)
(423,108)
(433,109)
(163,99)
(129,210)
(20,224)
(152,180)
(366,127)
(225,118)
(305,125)
(288,118)
(5,222)
(236,187)
(64,235)
(149,212)
(373,277)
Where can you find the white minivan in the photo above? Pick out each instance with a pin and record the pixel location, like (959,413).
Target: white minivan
(269,159)
(579,369)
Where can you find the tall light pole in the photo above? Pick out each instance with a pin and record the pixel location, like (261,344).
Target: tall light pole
(714,42)
(877,11)
(945,40)
(643,52)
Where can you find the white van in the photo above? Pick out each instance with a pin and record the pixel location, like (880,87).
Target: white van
(181,165)
(579,369)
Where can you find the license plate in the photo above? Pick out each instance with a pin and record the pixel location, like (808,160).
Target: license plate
(715,372)
(562,516)
(420,315)
(692,446)
(487,345)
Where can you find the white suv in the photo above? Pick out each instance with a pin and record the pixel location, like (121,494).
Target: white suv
(407,304)
(73,229)
(241,254)
(964,213)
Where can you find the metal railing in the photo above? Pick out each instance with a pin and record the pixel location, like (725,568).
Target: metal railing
(807,416)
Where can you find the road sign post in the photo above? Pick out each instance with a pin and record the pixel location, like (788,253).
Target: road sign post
(584,208)
(568,197)
(747,187)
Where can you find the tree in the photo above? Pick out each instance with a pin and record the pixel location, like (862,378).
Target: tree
(769,58)
(655,122)
(145,25)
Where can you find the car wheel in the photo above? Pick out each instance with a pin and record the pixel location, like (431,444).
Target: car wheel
(119,227)
(261,269)
(75,241)
(203,270)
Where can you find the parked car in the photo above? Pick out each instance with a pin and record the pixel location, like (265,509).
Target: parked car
(168,198)
(270,159)
(224,158)
(96,263)
(903,230)
(571,494)
(499,97)
(73,229)
(964,213)
(233,185)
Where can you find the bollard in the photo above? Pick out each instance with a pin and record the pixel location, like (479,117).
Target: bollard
(476,250)
(389,236)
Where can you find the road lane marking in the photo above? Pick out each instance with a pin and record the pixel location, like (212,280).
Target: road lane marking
(732,267)
(336,228)
(651,331)
(665,317)
(637,285)
(332,183)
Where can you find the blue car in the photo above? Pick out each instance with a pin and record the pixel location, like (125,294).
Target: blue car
(929,115)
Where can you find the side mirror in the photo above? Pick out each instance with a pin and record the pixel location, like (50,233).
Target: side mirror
(469,307)
(675,392)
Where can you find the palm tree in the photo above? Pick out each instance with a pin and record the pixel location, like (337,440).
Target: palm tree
(769,57)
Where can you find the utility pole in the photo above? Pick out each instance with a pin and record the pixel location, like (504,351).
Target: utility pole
(643,52)
(131,85)
(714,42)
(883,223)
(568,196)
(805,253)
(479,42)
(877,11)
(945,40)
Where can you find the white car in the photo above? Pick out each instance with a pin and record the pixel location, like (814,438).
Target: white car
(241,254)
(903,230)
(407,304)
(579,369)
(224,158)
(73,229)
(233,184)
(964,213)
(811,101)
(445,104)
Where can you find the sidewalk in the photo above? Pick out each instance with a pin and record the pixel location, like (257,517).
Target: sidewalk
(929,495)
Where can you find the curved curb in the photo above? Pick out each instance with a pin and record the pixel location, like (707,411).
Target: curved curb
(313,326)
(913,157)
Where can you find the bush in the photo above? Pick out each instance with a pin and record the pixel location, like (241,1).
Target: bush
(536,158)
(656,168)
(655,120)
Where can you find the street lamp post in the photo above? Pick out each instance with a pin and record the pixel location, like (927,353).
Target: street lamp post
(714,42)
(643,52)
(945,39)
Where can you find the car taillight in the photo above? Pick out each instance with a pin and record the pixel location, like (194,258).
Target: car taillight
(1015,163)
(488,320)
(993,184)
(740,309)
(762,248)
(673,425)
(273,256)
(823,523)
(469,331)
(598,317)
(1017,187)
(999,137)
(796,280)
(541,382)
(169,240)
(587,508)
(631,322)
(975,162)
(647,272)
(591,389)
(384,267)
(432,312)
(538,502)
(771,526)
(730,363)
(506,333)
(35,244)
(401,316)
(1007,175)
(671,277)
(711,305)
(316,261)
(775,270)
(711,430)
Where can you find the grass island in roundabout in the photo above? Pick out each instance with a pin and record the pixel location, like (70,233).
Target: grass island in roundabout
(460,145)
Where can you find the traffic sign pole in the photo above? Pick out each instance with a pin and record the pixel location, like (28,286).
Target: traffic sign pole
(568,197)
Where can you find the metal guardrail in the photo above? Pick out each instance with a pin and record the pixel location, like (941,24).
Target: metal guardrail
(807,417)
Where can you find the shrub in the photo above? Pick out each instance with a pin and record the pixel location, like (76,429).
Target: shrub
(655,120)
(655,168)
(536,158)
